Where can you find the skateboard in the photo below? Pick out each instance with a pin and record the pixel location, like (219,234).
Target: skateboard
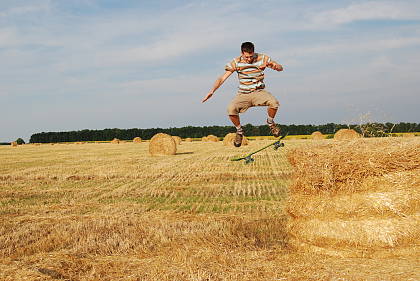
(276,145)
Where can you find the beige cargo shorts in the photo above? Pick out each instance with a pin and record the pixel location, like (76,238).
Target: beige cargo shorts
(242,101)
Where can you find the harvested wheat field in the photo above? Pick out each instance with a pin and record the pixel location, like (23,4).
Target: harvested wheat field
(114,212)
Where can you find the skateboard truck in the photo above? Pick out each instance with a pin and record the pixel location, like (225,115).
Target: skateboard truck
(278,144)
(248,159)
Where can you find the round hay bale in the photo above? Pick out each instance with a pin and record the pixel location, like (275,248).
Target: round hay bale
(229,138)
(137,140)
(14,143)
(115,141)
(317,136)
(162,144)
(188,139)
(204,139)
(266,138)
(258,138)
(357,198)
(212,138)
(177,139)
(346,134)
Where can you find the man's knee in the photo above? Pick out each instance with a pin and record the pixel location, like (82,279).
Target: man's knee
(274,104)
(232,110)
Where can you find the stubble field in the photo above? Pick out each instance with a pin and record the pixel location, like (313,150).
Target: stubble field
(113,212)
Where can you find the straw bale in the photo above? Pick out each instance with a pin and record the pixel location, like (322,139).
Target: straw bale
(392,195)
(356,198)
(229,138)
(266,138)
(346,134)
(115,141)
(369,233)
(14,143)
(204,139)
(317,136)
(177,139)
(341,166)
(188,139)
(212,138)
(355,252)
(162,144)
(258,138)
(137,140)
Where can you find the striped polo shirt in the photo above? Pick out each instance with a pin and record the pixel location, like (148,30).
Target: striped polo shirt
(251,75)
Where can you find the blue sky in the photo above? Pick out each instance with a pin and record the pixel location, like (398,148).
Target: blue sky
(90,64)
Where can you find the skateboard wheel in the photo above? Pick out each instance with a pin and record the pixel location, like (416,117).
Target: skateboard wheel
(252,159)
(275,148)
(282,144)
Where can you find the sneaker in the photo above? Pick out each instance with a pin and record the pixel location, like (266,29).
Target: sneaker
(238,139)
(274,129)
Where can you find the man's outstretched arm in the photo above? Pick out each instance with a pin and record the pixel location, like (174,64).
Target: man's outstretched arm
(218,83)
(274,66)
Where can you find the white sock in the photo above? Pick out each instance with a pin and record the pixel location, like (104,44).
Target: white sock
(270,120)
(239,129)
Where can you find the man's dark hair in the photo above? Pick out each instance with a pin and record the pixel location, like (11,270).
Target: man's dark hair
(247,47)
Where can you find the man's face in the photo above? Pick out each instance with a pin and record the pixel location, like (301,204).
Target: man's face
(248,57)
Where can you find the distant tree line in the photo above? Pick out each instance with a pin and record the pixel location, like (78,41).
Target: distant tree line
(370,129)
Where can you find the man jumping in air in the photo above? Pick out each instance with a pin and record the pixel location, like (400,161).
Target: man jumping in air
(250,67)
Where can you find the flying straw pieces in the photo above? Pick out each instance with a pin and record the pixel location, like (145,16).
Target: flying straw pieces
(317,136)
(162,144)
(346,134)
(356,198)
(229,138)
(137,140)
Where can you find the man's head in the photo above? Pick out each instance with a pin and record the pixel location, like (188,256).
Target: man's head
(247,51)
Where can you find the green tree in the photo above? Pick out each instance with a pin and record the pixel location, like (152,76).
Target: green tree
(20,141)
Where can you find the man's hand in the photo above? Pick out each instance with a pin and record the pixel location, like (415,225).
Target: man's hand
(208,96)
(218,83)
(274,66)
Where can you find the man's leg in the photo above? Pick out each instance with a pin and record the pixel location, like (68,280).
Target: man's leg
(272,112)
(270,122)
(235,120)
(239,131)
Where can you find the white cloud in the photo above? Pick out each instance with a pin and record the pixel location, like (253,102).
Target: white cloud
(24,9)
(378,10)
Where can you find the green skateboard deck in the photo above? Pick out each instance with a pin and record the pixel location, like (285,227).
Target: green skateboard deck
(249,158)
